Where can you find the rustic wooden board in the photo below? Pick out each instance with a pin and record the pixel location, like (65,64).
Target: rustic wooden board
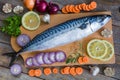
(69,48)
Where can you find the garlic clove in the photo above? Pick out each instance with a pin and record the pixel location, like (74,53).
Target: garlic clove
(94,70)
(46,18)
(18,9)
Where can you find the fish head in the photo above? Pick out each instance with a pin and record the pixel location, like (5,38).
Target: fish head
(98,21)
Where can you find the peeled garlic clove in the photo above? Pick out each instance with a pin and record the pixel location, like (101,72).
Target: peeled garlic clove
(94,70)
(18,9)
(46,18)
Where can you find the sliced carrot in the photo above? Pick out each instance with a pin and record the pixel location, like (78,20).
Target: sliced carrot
(80,8)
(72,71)
(55,70)
(90,7)
(83,5)
(47,71)
(85,59)
(76,11)
(76,7)
(80,61)
(62,71)
(93,4)
(38,72)
(71,8)
(67,8)
(64,10)
(66,70)
(79,70)
(31,72)
(87,9)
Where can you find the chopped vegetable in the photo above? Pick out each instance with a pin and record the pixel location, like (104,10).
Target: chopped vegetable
(23,39)
(62,71)
(29,4)
(85,59)
(72,71)
(66,70)
(53,8)
(46,59)
(80,61)
(29,62)
(55,70)
(35,63)
(79,70)
(18,9)
(12,25)
(38,72)
(31,72)
(39,58)
(15,69)
(41,5)
(60,56)
(47,71)
(52,57)
(7,8)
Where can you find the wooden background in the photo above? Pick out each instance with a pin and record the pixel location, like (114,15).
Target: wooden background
(109,5)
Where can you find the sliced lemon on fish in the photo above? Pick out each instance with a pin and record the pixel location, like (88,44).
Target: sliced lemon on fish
(110,51)
(31,20)
(96,49)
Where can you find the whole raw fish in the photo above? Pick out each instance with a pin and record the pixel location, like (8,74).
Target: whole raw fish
(64,33)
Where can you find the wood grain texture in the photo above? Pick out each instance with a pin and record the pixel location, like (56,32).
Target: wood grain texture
(111,5)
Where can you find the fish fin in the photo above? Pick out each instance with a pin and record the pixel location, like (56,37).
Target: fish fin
(13,56)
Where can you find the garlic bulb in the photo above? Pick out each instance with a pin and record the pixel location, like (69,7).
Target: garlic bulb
(106,33)
(18,9)
(94,70)
(46,18)
(7,8)
(109,71)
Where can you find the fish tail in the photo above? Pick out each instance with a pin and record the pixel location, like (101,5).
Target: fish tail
(13,56)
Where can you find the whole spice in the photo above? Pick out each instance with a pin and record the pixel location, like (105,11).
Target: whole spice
(7,8)
(18,9)
(109,71)
(94,70)
(12,25)
(106,33)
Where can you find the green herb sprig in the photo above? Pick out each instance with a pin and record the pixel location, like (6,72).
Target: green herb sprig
(12,25)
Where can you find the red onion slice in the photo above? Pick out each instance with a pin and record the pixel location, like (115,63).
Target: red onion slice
(60,56)
(29,62)
(35,63)
(52,57)
(15,69)
(46,59)
(39,58)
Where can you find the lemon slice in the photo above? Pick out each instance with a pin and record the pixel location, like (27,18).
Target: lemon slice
(96,49)
(31,20)
(110,51)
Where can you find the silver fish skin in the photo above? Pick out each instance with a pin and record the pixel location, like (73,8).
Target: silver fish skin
(67,32)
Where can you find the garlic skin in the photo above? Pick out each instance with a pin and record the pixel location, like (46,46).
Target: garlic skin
(7,8)
(94,70)
(106,33)
(46,18)
(18,9)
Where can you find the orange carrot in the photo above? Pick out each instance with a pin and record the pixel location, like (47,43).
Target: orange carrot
(90,7)
(64,10)
(72,71)
(55,70)
(62,71)
(47,71)
(80,8)
(83,5)
(79,70)
(66,70)
(93,4)
(76,11)
(87,9)
(71,8)
(31,72)
(29,4)
(80,61)
(67,8)
(85,59)
(37,72)
(76,7)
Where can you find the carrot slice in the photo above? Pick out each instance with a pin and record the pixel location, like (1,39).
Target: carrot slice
(62,71)
(86,7)
(66,70)
(79,70)
(76,7)
(37,72)
(83,5)
(31,72)
(72,71)
(76,11)
(80,8)
(85,59)
(90,7)
(67,8)
(55,70)
(71,8)
(93,4)
(80,61)
(64,10)
(47,71)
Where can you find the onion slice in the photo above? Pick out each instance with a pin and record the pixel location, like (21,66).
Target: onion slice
(15,69)
(39,58)
(35,63)
(52,57)
(46,59)
(29,62)
(60,56)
